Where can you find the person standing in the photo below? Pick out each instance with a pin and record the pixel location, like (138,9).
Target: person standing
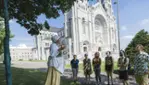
(109,65)
(75,65)
(97,67)
(141,69)
(123,68)
(87,68)
(55,62)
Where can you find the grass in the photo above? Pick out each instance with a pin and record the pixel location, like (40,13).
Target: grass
(102,66)
(26,77)
(33,77)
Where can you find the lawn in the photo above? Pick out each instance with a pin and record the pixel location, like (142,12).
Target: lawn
(26,77)
(102,66)
(33,77)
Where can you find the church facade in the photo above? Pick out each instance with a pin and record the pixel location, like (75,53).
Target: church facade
(91,28)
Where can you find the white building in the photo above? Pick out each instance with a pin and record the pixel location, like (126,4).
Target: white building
(91,28)
(21,52)
(43,41)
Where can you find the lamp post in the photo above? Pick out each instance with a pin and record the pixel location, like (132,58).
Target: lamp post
(118,26)
(7,58)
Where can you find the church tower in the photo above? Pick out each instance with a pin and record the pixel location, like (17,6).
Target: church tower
(89,29)
(107,5)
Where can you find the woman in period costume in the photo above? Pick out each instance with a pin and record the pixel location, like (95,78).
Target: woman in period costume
(55,62)
(109,65)
(87,68)
(97,67)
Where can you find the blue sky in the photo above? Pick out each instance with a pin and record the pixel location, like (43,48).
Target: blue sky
(134,16)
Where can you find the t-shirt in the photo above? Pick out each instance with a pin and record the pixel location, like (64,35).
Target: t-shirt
(74,63)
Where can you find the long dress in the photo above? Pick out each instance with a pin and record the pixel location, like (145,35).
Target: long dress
(55,66)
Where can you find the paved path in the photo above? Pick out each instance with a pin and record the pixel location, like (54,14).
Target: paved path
(42,66)
(68,75)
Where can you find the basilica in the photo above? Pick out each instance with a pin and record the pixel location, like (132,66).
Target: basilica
(91,28)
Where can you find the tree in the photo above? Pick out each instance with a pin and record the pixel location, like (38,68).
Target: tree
(2,35)
(26,12)
(46,25)
(142,37)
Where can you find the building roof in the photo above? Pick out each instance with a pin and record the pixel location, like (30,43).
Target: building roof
(53,29)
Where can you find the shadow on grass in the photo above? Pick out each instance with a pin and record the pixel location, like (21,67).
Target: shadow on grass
(37,77)
(27,76)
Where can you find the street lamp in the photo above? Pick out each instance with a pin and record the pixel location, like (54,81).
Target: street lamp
(7,58)
(118,26)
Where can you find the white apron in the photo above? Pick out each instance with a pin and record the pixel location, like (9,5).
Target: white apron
(55,59)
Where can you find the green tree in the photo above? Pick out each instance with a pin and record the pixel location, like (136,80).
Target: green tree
(46,25)
(2,35)
(26,12)
(142,37)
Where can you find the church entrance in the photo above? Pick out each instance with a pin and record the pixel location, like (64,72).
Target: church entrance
(85,46)
(101,33)
(85,49)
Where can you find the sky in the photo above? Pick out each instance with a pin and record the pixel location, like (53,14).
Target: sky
(134,16)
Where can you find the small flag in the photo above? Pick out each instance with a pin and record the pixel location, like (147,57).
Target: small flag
(115,3)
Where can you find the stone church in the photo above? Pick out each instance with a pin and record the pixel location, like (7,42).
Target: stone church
(91,28)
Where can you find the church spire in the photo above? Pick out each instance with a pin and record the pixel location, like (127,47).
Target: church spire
(107,5)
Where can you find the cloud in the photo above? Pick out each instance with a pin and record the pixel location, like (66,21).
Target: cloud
(124,28)
(127,37)
(22,39)
(11,21)
(25,40)
(125,40)
(144,22)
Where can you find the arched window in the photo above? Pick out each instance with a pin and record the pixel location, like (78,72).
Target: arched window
(99,48)
(83,25)
(85,49)
(113,35)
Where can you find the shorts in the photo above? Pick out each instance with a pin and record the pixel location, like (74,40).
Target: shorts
(142,79)
(75,72)
(123,75)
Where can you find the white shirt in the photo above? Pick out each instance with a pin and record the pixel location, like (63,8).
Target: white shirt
(56,60)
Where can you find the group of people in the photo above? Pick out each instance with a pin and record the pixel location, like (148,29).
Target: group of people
(56,65)
(96,63)
(141,62)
